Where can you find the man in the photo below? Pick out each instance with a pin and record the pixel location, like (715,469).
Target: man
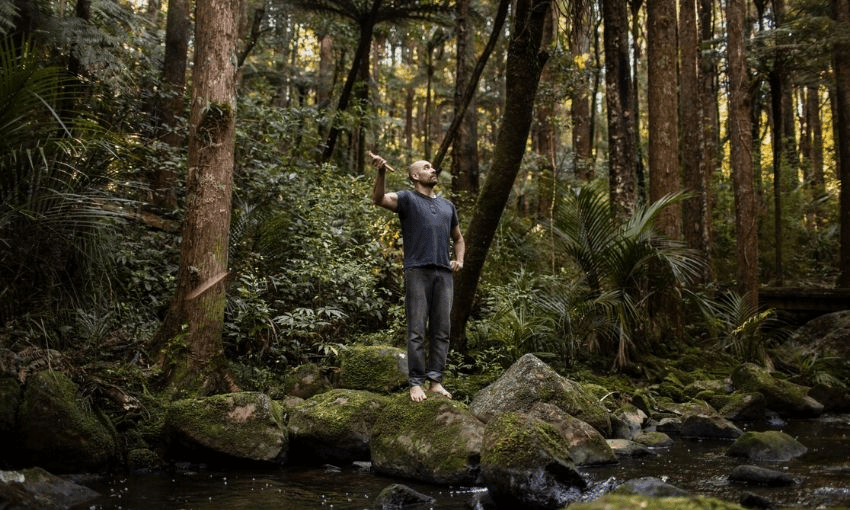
(427,223)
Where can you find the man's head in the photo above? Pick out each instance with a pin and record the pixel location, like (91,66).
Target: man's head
(423,173)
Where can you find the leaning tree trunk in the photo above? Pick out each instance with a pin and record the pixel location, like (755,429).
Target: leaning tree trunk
(524,64)
(192,352)
(622,163)
(841,53)
(741,142)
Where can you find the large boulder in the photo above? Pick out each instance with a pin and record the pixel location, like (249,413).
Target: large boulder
(772,445)
(529,381)
(306,380)
(335,426)
(618,501)
(57,431)
(586,445)
(36,488)
(784,397)
(704,426)
(377,368)
(525,463)
(248,426)
(436,440)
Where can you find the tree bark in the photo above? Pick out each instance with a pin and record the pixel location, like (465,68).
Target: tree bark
(193,354)
(709,122)
(524,64)
(663,106)
(741,145)
(582,133)
(841,65)
(464,142)
(621,113)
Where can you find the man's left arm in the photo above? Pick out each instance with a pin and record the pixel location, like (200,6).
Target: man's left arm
(460,248)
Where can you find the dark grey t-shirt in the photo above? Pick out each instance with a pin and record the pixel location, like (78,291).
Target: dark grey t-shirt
(426,226)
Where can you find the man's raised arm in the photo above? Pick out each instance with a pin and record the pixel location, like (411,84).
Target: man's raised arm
(379,197)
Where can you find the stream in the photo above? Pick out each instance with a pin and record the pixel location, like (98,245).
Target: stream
(700,467)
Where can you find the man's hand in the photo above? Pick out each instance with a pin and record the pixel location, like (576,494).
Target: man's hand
(456,266)
(379,162)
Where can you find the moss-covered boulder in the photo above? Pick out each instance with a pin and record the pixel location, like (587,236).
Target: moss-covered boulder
(628,448)
(757,475)
(771,446)
(529,381)
(619,501)
(436,440)
(248,426)
(57,431)
(653,439)
(784,397)
(36,488)
(632,420)
(741,406)
(526,464)
(712,386)
(306,380)
(335,426)
(704,426)
(586,445)
(377,368)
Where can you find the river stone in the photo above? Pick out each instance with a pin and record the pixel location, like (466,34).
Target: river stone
(585,443)
(784,397)
(59,433)
(620,501)
(525,463)
(741,406)
(713,386)
(760,476)
(709,427)
(245,425)
(650,486)
(632,417)
(772,445)
(628,448)
(398,497)
(36,488)
(437,440)
(653,439)
(306,380)
(529,381)
(335,426)
(377,368)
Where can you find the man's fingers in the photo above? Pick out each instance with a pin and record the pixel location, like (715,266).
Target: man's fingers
(379,162)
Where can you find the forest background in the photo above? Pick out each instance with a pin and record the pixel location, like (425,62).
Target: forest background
(185,195)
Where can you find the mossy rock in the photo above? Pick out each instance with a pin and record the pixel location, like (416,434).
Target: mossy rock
(58,431)
(436,440)
(784,397)
(377,368)
(246,425)
(335,426)
(772,445)
(306,380)
(618,501)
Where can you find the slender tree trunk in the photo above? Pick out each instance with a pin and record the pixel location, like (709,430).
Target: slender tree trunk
(544,133)
(663,105)
(637,55)
(622,163)
(814,127)
(710,124)
(524,64)
(193,354)
(172,105)
(465,142)
(841,65)
(741,144)
(582,134)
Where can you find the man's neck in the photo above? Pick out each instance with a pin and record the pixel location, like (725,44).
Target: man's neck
(428,191)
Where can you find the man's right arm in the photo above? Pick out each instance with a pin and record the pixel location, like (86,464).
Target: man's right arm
(379,197)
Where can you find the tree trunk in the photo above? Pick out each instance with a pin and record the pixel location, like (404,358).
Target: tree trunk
(523,67)
(544,134)
(171,108)
(691,139)
(741,144)
(710,125)
(814,128)
(582,134)
(637,54)
(464,166)
(663,106)
(841,55)
(193,355)
(621,113)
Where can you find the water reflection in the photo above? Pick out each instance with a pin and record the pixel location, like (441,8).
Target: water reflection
(700,467)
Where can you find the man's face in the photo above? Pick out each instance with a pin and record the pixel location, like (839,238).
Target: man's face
(423,172)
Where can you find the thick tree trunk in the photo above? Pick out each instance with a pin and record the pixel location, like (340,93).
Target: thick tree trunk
(663,105)
(193,355)
(709,122)
(172,107)
(741,143)
(841,54)
(621,113)
(524,64)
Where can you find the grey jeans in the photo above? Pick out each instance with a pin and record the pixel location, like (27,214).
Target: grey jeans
(428,305)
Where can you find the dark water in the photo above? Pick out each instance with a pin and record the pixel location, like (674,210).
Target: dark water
(701,467)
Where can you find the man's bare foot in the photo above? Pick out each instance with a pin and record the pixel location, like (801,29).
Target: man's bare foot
(438,388)
(417,394)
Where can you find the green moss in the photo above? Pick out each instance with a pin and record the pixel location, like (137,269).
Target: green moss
(337,411)
(615,501)
(515,439)
(378,368)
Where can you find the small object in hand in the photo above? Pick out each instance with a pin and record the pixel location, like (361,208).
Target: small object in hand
(384,164)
